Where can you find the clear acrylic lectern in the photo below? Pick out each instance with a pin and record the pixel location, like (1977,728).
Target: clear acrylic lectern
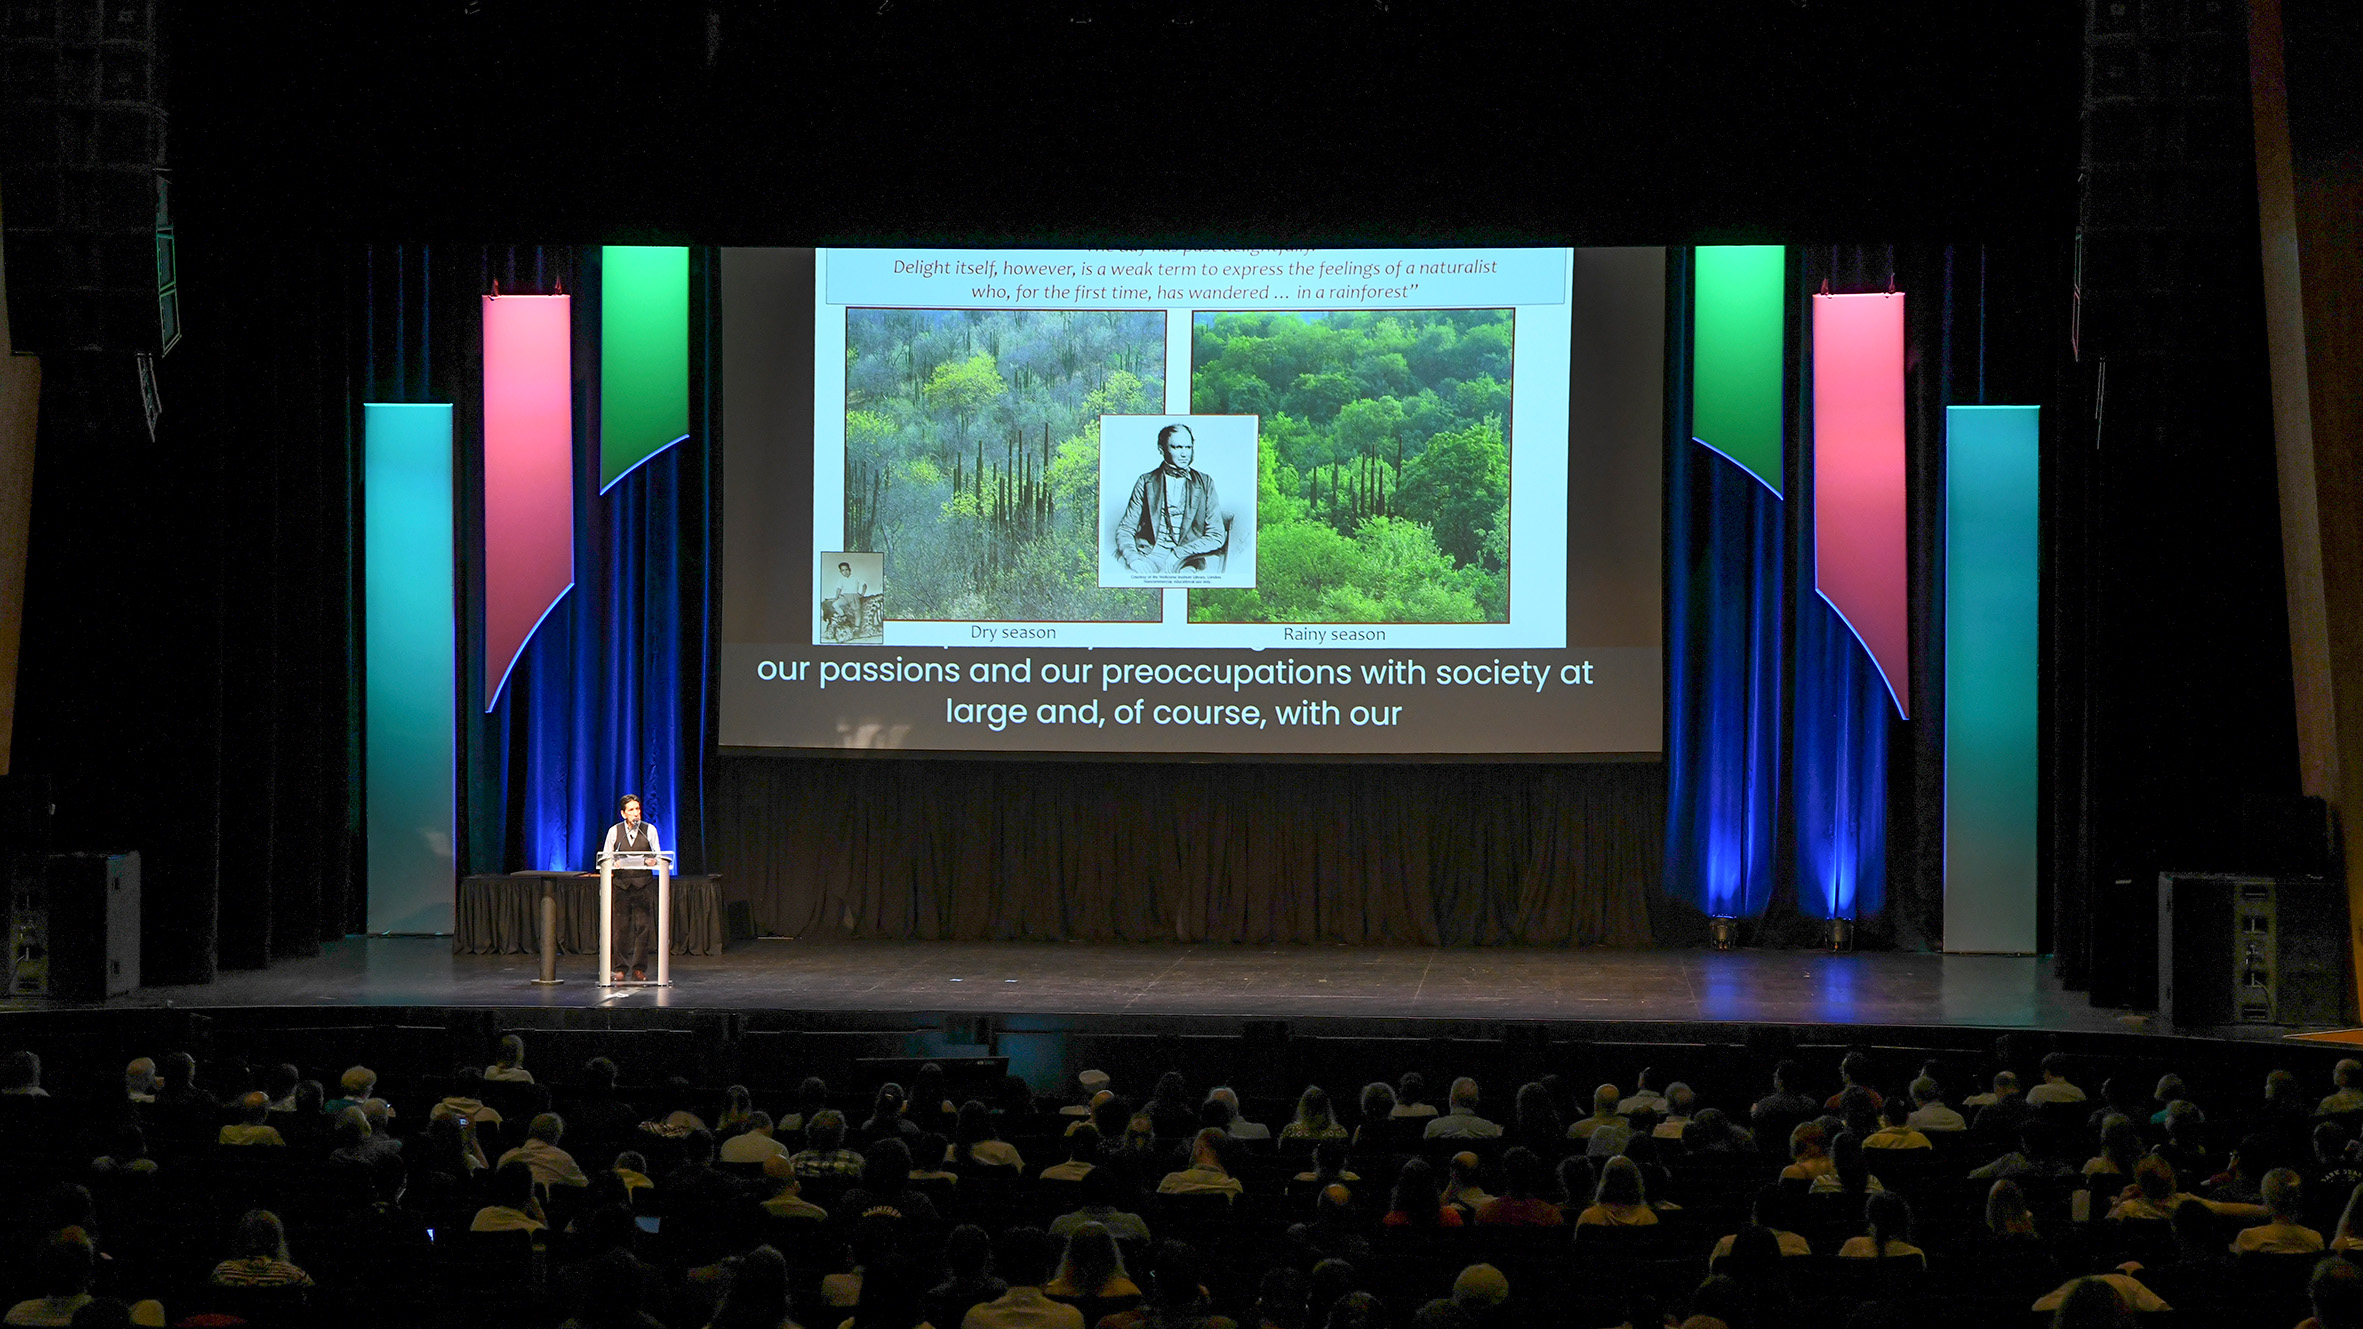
(661,863)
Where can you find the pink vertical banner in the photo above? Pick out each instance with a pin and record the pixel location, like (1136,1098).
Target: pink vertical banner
(528,473)
(1859,513)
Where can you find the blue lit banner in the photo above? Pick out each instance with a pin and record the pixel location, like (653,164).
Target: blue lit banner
(1992,549)
(410,649)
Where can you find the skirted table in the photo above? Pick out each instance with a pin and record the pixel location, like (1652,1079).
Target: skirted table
(501,915)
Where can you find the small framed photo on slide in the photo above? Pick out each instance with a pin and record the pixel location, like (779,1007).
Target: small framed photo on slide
(852,588)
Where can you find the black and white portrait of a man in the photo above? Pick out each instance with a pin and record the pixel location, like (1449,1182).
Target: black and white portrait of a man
(1180,522)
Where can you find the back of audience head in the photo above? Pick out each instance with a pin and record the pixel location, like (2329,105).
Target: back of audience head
(1023,1255)
(757,1297)
(1534,1112)
(886,1168)
(1418,1197)
(1357,1310)
(1887,1220)
(1377,1101)
(1312,1110)
(2283,1195)
(1091,1260)
(968,1252)
(1441,1313)
(2092,1304)
(1620,1183)
(1411,1089)
(2336,1291)
(261,1236)
(1177,1274)
(826,1130)
(1479,1288)
(2007,1215)
(511,1186)
(1280,1298)
(1464,1093)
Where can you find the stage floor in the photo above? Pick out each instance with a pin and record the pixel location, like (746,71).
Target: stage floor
(1168,980)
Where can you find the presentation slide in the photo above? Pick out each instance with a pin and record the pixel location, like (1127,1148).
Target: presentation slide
(1288,503)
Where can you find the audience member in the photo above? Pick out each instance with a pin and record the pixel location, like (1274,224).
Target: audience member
(827,1156)
(1462,1121)
(1208,1172)
(254,1110)
(2055,1087)
(1103,1194)
(1887,1232)
(1769,1211)
(2336,1293)
(2282,1232)
(1620,1200)
(1239,1127)
(551,1165)
(1082,1154)
(1681,1102)
(258,1255)
(968,1280)
(1418,1201)
(1022,1258)
(976,1144)
(509,1066)
(2347,1095)
(512,1207)
(1522,1202)
(1929,1112)
(1411,1097)
(1313,1121)
(1604,1113)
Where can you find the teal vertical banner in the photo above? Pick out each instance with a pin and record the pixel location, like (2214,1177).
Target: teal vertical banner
(1736,344)
(411,658)
(643,355)
(1992,550)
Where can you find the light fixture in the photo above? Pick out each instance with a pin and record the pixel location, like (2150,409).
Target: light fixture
(1723,930)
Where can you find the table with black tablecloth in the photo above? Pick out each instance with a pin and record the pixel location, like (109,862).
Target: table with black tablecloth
(501,915)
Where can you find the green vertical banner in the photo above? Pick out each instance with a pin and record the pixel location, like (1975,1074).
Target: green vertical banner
(643,355)
(1736,355)
(1992,548)
(410,653)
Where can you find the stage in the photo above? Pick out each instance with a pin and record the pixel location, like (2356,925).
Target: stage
(1168,981)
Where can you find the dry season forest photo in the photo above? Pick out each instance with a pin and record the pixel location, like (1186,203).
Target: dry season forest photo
(972,455)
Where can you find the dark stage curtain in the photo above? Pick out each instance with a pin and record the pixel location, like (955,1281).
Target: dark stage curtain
(1105,851)
(1726,638)
(188,682)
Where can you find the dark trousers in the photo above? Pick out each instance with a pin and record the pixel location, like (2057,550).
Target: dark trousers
(635,922)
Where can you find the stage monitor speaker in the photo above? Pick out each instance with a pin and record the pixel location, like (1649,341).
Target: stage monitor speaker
(93,925)
(2236,950)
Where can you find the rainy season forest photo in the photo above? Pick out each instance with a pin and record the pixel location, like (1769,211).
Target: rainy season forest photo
(1383,463)
(972,455)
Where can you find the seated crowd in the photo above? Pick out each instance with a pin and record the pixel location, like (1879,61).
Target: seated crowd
(1868,1193)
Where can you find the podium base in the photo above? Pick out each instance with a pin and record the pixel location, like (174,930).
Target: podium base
(545,982)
